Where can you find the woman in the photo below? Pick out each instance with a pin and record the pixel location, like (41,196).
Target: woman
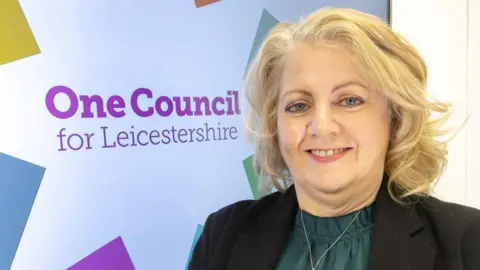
(342,127)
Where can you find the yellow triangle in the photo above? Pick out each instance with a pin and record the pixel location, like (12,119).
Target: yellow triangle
(16,37)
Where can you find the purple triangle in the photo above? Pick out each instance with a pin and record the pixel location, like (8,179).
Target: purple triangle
(113,255)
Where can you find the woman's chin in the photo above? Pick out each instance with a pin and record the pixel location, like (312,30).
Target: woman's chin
(330,186)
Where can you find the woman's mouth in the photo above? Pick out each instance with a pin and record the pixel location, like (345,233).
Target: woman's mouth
(328,155)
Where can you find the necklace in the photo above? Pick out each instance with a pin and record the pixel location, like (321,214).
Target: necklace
(324,253)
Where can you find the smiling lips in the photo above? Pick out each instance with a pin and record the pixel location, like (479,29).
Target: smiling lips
(327,156)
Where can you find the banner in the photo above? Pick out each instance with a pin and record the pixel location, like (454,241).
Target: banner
(122,125)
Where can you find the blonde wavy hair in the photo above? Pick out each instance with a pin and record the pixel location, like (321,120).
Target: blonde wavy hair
(416,156)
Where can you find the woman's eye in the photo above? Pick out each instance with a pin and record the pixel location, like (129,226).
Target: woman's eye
(298,107)
(351,101)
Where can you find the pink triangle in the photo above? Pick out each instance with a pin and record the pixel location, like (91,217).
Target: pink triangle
(113,255)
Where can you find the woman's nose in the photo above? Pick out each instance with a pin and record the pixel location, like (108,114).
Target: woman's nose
(323,122)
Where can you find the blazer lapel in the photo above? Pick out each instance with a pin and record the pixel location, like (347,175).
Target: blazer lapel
(260,245)
(400,240)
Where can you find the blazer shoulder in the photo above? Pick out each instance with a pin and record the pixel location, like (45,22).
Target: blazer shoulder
(444,211)
(243,209)
(457,228)
(222,224)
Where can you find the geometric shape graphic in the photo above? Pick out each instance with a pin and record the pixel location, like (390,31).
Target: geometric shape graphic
(198,232)
(201,3)
(16,38)
(267,22)
(19,184)
(252,178)
(113,256)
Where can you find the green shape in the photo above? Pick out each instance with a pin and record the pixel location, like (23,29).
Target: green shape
(267,22)
(252,177)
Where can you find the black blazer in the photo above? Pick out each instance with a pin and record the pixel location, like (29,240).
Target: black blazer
(430,235)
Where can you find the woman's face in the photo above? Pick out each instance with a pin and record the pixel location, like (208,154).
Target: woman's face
(333,130)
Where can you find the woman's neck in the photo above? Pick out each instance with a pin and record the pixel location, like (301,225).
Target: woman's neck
(336,204)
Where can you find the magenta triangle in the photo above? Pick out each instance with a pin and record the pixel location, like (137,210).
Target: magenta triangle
(113,255)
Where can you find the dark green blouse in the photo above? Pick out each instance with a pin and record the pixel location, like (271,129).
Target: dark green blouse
(351,252)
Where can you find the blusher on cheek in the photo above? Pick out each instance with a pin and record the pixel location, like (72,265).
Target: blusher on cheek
(283,140)
(291,136)
(299,131)
(294,134)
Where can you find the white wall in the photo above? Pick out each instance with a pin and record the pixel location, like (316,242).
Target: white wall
(439,29)
(473,103)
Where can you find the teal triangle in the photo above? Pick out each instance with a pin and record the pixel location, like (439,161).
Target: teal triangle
(197,235)
(267,22)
